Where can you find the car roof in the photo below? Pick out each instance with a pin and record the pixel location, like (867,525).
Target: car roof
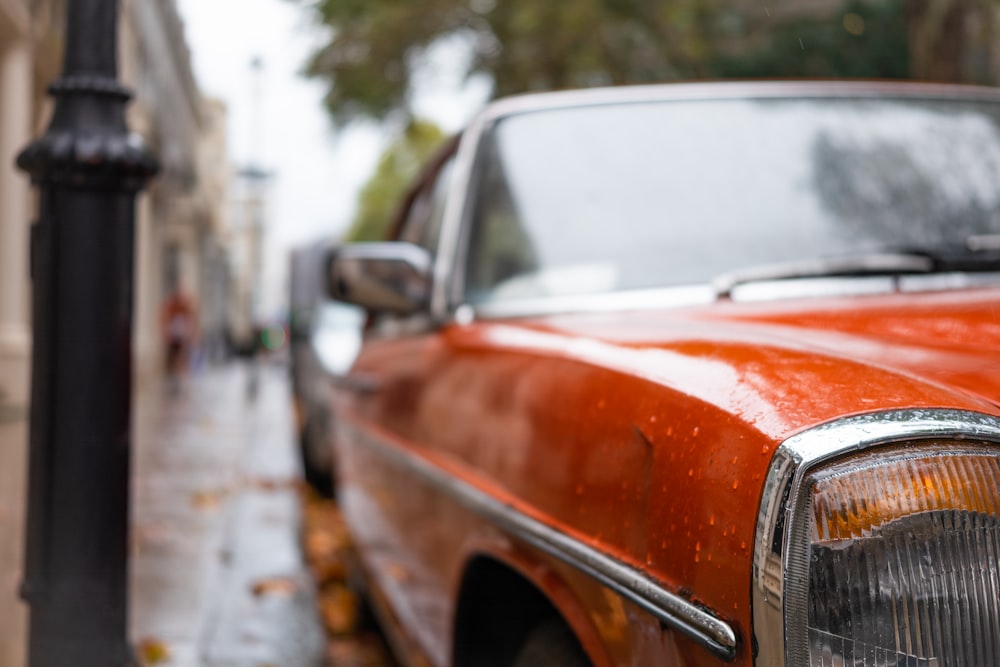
(721,90)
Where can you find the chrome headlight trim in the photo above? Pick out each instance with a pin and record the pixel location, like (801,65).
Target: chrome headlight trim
(781,544)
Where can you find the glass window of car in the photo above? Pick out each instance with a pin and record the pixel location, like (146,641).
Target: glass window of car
(423,221)
(628,196)
(421,226)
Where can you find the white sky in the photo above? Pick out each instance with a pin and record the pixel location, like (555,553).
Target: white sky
(317,170)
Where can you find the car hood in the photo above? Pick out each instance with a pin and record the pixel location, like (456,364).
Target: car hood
(787,365)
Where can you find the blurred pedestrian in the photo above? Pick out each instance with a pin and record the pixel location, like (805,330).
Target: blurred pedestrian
(179,322)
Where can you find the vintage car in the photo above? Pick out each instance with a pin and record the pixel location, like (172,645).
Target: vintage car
(687,375)
(324,339)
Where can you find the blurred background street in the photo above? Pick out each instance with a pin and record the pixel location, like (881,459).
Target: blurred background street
(219,578)
(217,573)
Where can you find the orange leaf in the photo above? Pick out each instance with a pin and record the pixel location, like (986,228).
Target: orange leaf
(153,652)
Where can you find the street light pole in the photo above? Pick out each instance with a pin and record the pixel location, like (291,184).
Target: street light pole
(256,179)
(88,170)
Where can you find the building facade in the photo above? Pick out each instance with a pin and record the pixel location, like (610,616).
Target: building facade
(182,237)
(29,51)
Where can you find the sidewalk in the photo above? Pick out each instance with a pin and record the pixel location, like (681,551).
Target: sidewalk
(217,573)
(13,466)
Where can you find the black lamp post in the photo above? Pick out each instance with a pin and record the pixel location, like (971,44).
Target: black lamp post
(88,170)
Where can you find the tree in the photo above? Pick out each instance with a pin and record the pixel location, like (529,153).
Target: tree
(934,40)
(954,40)
(522,45)
(397,167)
(860,39)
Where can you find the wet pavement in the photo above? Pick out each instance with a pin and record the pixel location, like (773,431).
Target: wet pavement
(13,464)
(218,578)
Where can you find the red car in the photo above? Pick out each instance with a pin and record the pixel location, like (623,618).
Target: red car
(687,375)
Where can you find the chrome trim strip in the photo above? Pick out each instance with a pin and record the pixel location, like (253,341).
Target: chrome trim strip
(701,295)
(662,297)
(736,90)
(781,524)
(447,264)
(679,614)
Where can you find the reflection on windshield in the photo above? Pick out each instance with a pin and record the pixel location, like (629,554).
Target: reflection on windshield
(642,195)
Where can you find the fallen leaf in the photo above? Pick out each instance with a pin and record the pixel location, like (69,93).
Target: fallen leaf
(364,651)
(146,533)
(326,544)
(398,572)
(329,572)
(153,652)
(320,544)
(270,484)
(338,607)
(207,500)
(274,586)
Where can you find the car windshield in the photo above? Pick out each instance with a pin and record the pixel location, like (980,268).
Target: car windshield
(628,196)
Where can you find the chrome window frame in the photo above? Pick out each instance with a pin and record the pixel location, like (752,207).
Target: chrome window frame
(450,258)
(781,544)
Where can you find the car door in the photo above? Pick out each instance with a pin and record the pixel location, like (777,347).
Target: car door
(394,517)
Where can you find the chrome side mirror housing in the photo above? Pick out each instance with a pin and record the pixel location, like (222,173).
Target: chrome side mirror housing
(387,277)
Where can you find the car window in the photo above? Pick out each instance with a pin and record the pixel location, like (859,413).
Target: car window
(423,221)
(422,226)
(629,196)
(502,246)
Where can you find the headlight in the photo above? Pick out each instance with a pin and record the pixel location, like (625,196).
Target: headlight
(879,545)
(903,553)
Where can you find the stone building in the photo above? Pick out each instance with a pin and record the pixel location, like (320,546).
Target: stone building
(183,231)
(183,234)
(182,221)
(28,60)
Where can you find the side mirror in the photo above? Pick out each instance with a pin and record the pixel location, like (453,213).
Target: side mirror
(391,277)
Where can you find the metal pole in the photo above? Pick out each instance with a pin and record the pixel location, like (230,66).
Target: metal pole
(256,178)
(88,170)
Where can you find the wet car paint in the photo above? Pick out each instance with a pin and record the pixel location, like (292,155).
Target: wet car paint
(645,434)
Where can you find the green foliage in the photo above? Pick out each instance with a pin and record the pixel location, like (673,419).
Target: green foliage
(367,62)
(521,45)
(862,39)
(524,45)
(397,167)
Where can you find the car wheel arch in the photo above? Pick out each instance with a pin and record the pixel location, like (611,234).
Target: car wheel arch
(501,597)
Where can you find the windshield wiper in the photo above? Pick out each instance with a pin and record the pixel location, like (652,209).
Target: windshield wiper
(859,265)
